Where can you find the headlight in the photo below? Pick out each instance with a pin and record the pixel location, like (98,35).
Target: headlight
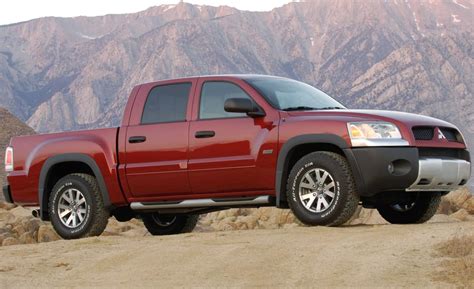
(375,133)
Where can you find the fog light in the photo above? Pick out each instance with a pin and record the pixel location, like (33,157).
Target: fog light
(399,167)
(391,168)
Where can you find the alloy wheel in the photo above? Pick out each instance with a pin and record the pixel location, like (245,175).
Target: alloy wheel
(72,208)
(317,190)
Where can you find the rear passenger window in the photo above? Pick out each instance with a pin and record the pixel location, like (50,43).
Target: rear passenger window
(166,103)
(213,96)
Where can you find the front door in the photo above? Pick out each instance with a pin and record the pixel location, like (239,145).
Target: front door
(229,152)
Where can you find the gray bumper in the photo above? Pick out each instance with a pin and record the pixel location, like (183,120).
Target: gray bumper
(436,174)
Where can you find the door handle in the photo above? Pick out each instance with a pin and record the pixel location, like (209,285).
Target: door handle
(137,139)
(205,134)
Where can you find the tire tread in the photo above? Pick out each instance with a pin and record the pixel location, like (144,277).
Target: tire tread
(100,215)
(352,201)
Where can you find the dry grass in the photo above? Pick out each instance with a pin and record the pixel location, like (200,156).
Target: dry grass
(458,266)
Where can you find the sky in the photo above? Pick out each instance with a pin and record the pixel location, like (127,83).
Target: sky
(21,10)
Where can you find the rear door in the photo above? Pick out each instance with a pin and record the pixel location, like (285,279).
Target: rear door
(157,141)
(230,152)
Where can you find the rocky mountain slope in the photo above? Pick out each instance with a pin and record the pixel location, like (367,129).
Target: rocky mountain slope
(9,126)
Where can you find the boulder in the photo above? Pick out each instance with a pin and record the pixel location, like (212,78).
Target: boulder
(461,215)
(442,218)
(47,234)
(18,229)
(456,200)
(31,224)
(21,212)
(10,241)
(7,206)
(27,238)
(6,216)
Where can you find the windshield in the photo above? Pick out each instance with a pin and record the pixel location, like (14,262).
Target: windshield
(287,94)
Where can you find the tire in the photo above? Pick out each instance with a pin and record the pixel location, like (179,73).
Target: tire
(416,211)
(337,188)
(90,206)
(158,224)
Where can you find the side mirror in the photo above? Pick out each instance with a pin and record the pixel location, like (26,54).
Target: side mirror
(243,105)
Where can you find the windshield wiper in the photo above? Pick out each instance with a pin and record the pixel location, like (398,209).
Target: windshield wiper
(330,107)
(311,108)
(299,108)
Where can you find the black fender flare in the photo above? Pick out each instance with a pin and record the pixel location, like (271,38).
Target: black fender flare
(70,157)
(283,159)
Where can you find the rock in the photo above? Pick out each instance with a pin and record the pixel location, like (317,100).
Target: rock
(461,215)
(27,238)
(47,234)
(456,200)
(31,224)
(138,232)
(469,206)
(366,216)
(10,241)
(6,216)
(19,229)
(441,218)
(21,212)
(7,206)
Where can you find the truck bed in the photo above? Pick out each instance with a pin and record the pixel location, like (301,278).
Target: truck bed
(31,152)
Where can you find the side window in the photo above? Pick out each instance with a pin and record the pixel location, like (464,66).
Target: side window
(166,103)
(213,96)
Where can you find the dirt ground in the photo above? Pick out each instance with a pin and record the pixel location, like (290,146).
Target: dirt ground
(354,256)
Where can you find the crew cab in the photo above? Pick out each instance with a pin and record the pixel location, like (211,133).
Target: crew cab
(195,145)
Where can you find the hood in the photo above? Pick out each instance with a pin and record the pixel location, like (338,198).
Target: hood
(409,119)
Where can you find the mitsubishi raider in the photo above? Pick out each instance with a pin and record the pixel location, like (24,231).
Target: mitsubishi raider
(195,145)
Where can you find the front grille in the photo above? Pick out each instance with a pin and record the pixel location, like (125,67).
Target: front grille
(428,133)
(423,132)
(451,134)
(461,154)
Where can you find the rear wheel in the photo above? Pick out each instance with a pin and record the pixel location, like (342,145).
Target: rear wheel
(418,209)
(161,224)
(321,190)
(76,208)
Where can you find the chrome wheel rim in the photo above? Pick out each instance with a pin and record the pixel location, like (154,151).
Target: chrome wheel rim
(164,220)
(317,190)
(403,207)
(72,208)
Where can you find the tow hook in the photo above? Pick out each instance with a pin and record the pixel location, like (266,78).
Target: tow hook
(36,213)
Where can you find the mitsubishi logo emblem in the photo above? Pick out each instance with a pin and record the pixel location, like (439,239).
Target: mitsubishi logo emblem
(441,135)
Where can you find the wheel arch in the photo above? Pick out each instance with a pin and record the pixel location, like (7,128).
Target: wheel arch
(56,167)
(297,147)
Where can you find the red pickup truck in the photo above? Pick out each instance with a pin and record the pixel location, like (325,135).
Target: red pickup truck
(201,144)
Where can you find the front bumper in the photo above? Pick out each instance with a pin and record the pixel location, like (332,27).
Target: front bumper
(7,194)
(382,169)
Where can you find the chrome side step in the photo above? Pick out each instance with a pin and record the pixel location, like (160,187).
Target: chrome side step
(201,203)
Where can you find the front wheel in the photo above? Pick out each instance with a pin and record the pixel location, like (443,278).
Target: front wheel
(419,209)
(161,224)
(321,190)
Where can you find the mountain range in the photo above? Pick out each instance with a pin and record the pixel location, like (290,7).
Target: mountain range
(71,73)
